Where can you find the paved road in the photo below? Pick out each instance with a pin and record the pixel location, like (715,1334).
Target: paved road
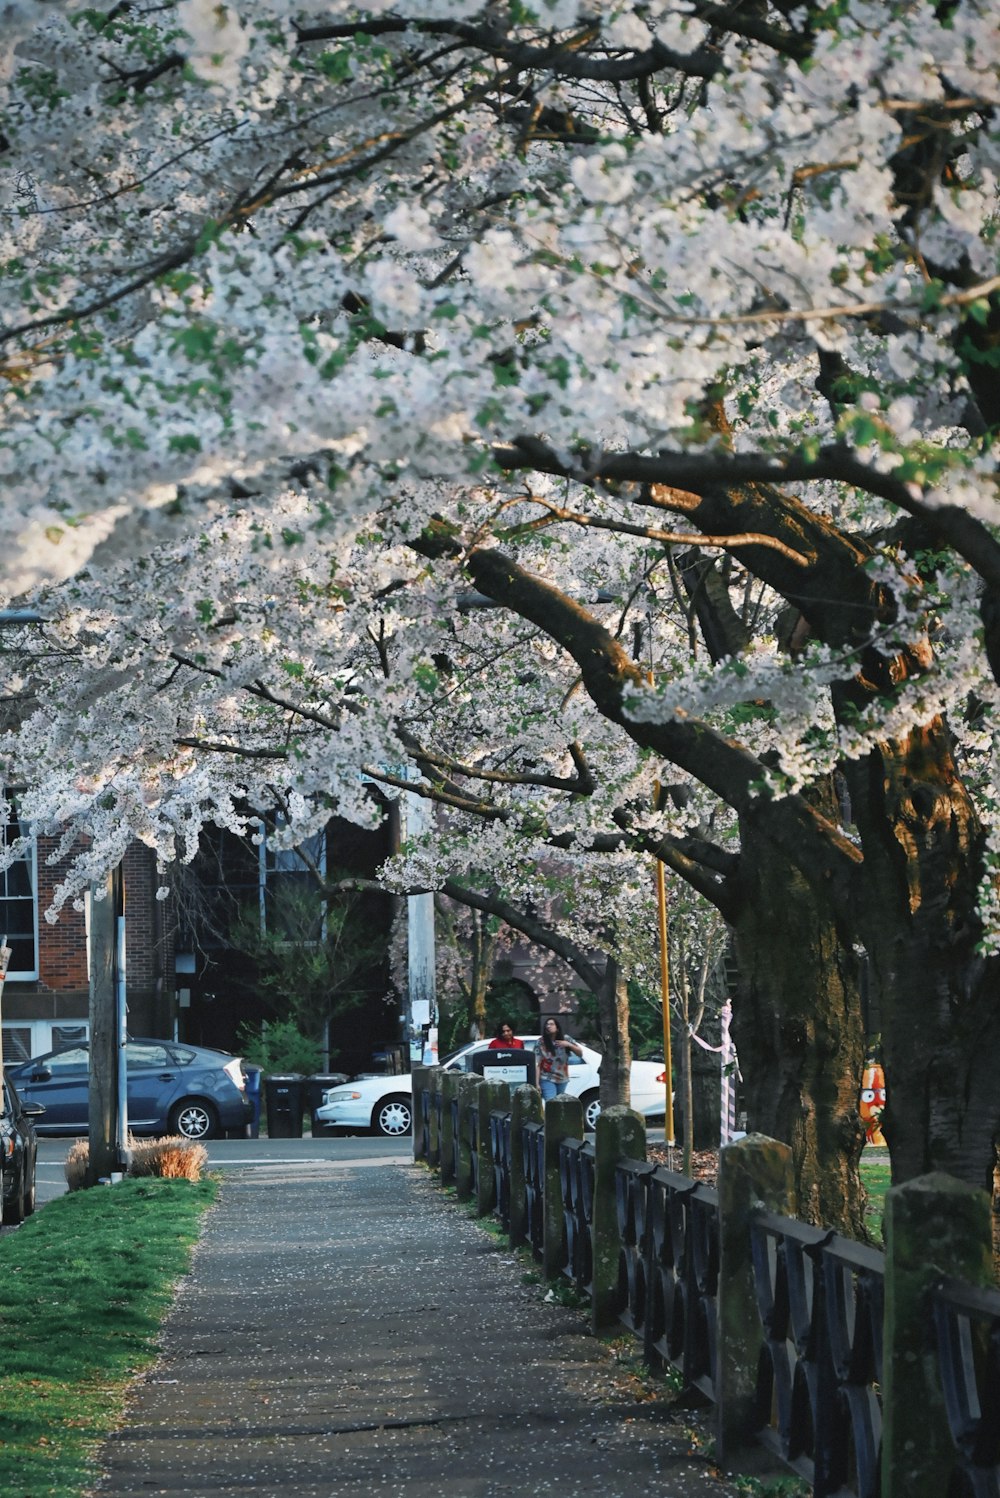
(234,1154)
(226,1154)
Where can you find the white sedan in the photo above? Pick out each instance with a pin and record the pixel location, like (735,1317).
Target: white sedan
(385,1104)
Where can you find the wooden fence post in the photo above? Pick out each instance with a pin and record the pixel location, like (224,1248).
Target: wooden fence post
(563,1120)
(434,1090)
(753,1172)
(421,1086)
(620,1135)
(935,1227)
(449,1090)
(468,1099)
(526,1107)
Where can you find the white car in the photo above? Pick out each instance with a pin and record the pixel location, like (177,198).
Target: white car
(385,1104)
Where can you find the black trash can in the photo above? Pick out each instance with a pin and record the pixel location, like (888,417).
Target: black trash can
(283,1097)
(390,1060)
(316,1085)
(253,1075)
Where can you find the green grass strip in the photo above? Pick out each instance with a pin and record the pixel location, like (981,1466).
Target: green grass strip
(876,1177)
(84,1286)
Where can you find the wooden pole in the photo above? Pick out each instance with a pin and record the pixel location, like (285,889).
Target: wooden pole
(661,910)
(4,962)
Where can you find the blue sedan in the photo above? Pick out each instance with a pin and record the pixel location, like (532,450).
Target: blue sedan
(172,1089)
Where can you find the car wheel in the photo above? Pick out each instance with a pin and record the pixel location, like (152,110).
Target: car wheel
(194,1120)
(29,1194)
(393,1116)
(13,1210)
(591,1109)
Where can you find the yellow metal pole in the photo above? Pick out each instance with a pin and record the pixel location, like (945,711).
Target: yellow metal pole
(661,909)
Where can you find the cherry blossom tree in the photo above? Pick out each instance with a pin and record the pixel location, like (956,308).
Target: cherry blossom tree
(494,285)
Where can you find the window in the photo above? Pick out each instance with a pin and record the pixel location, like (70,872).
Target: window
(139,1053)
(35,1037)
(16,1044)
(290,904)
(19,906)
(75,1059)
(67,1035)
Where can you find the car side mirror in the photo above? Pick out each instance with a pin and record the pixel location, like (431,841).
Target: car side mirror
(33,1110)
(41,1075)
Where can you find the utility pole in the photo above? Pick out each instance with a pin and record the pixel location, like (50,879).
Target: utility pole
(4,961)
(422,1017)
(108,1126)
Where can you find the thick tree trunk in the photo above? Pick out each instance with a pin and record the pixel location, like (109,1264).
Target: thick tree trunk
(799,1035)
(482,967)
(923,846)
(612,1009)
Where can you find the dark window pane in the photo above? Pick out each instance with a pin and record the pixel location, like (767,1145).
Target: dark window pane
(71,1060)
(138,1054)
(68,1034)
(16,1044)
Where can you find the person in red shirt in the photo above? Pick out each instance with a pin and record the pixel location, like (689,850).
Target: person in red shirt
(505,1039)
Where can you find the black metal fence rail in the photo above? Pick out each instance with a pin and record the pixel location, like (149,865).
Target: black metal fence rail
(967,1327)
(681,1257)
(631,1210)
(576,1180)
(820,1299)
(424,1124)
(533,1145)
(473,1117)
(500,1155)
(449,1158)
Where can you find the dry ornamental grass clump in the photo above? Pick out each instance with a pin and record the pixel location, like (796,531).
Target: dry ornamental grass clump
(171,1158)
(76,1164)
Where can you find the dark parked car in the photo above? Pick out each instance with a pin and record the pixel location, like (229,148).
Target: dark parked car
(18,1149)
(172,1089)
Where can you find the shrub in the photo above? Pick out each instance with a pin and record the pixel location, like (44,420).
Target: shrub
(76,1164)
(280,1047)
(171,1158)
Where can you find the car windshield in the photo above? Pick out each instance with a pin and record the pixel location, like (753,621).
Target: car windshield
(455,1056)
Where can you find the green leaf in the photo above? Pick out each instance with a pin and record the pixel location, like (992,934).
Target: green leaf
(337,66)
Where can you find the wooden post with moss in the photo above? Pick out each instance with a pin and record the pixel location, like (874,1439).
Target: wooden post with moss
(526,1107)
(449,1090)
(494,1097)
(434,1146)
(468,1099)
(620,1135)
(563,1120)
(754,1172)
(421,1086)
(934,1227)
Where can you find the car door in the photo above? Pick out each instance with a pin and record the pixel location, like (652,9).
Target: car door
(152,1084)
(584,1076)
(60,1081)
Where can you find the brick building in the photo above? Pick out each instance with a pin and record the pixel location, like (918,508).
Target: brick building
(46,995)
(184,977)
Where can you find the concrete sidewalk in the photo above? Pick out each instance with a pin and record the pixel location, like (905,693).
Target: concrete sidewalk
(347,1331)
